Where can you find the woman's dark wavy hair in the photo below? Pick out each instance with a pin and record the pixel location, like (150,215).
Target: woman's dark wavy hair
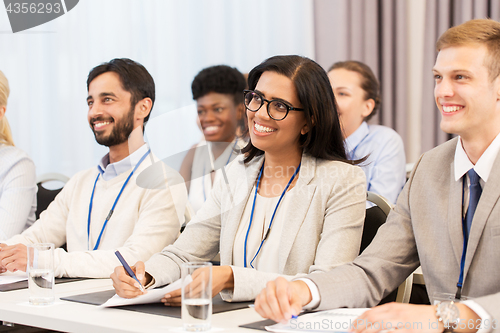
(324,139)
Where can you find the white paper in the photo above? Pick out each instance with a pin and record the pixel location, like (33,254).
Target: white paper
(152,295)
(338,320)
(9,277)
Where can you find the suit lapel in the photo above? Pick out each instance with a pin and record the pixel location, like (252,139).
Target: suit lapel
(300,201)
(240,191)
(489,197)
(455,214)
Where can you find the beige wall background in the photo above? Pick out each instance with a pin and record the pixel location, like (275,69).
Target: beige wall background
(396,38)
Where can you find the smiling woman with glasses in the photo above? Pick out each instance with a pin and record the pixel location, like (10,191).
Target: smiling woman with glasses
(290,205)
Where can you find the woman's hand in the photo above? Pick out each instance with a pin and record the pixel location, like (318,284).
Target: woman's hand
(222,278)
(126,286)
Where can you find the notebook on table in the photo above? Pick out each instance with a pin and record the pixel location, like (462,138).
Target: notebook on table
(98,298)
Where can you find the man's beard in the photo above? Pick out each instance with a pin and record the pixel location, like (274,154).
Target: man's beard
(120,133)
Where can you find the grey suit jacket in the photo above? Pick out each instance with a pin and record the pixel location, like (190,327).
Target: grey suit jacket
(323,228)
(426,228)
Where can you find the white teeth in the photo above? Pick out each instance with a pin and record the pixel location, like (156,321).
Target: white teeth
(98,125)
(263,129)
(452,108)
(211,128)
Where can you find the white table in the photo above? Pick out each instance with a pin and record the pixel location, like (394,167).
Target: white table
(77,317)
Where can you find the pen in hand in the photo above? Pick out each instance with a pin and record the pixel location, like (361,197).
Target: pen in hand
(129,270)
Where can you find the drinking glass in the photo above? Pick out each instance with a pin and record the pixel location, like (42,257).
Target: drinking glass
(40,270)
(197,296)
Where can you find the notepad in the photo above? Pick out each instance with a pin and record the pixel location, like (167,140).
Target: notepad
(152,295)
(9,277)
(159,309)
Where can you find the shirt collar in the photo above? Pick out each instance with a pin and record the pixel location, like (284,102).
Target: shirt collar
(484,164)
(110,171)
(355,138)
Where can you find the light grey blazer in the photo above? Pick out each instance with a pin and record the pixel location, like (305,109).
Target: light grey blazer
(426,228)
(323,225)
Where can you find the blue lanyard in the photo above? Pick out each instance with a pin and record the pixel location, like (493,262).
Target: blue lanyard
(114,204)
(272,218)
(458,295)
(203,177)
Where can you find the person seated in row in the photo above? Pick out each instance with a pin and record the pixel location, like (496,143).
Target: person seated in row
(105,209)
(17,177)
(357,94)
(292,204)
(218,92)
(446,219)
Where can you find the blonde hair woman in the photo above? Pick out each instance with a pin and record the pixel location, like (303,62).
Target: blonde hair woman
(17,177)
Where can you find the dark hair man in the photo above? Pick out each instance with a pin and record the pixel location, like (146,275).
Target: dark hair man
(103,209)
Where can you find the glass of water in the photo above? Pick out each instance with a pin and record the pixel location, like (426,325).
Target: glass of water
(196,296)
(41,273)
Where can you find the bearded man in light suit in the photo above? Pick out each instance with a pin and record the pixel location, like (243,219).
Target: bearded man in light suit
(428,225)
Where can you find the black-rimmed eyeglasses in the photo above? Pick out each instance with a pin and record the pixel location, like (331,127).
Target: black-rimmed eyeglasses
(276,109)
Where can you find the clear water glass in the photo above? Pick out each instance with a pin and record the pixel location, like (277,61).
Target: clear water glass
(40,270)
(197,296)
